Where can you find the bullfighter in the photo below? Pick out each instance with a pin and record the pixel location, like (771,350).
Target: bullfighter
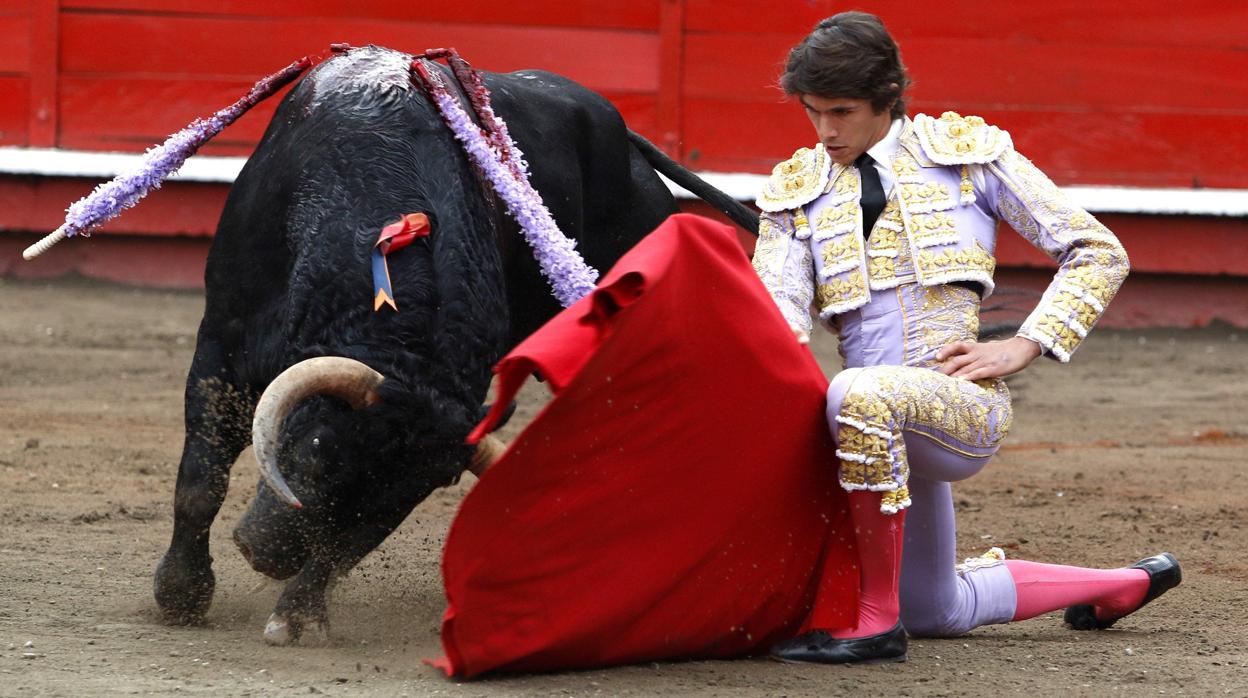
(887,226)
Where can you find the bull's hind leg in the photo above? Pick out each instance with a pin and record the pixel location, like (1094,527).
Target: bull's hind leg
(218,414)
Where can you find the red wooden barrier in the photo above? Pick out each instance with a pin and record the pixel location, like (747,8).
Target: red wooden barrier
(1146,93)
(1139,94)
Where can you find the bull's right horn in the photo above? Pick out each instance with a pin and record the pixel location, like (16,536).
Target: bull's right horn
(339,376)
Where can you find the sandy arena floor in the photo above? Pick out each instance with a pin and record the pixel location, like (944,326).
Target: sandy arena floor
(1132,449)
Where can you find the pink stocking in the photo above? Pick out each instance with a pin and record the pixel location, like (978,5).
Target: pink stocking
(1043,588)
(879,538)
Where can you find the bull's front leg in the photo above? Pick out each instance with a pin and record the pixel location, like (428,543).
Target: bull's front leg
(301,615)
(217,418)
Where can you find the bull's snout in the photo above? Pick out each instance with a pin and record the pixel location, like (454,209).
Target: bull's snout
(274,554)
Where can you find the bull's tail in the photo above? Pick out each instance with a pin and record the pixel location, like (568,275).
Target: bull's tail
(738,212)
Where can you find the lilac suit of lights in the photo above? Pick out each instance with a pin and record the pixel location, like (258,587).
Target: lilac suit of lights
(912,286)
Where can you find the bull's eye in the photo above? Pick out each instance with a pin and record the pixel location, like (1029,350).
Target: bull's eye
(316,441)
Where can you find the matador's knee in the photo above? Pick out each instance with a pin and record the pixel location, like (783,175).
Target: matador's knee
(862,414)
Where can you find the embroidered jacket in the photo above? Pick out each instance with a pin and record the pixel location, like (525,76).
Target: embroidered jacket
(956,177)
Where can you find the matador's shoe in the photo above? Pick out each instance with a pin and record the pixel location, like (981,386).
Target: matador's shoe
(819,647)
(1164,574)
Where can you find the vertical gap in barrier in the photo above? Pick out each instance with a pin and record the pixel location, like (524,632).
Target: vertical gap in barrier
(43,126)
(671,76)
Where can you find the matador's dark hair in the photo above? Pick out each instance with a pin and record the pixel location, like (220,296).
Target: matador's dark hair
(849,55)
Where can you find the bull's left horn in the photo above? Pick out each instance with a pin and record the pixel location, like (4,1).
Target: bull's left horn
(489,450)
(339,376)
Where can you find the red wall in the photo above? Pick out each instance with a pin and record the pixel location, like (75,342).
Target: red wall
(1146,93)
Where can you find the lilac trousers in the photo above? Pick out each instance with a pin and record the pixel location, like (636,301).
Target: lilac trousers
(906,430)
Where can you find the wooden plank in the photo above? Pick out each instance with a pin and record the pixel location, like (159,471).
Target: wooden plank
(725,136)
(1141,149)
(121,114)
(136,261)
(1145,149)
(14,44)
(177,261)
(640,112)
(131,114)
(177,209)
(671,69)
(1082,76)
(187,209)
(14,110)
(225,48)
(734,66)
(1197,23)
(1047,75)
(1150,242)
(555,13)
(43,117)
(15,7)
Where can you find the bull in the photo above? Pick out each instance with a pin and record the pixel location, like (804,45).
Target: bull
(364,436)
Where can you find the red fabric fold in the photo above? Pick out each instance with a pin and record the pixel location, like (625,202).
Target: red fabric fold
(677,498)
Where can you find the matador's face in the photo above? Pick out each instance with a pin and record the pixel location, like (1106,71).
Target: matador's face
(847,127)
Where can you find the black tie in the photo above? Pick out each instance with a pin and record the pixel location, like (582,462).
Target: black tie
(872,193)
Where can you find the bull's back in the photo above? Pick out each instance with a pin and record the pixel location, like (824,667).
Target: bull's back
(351,148)
(597,185)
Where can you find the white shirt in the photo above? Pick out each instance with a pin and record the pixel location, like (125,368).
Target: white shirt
(883,152)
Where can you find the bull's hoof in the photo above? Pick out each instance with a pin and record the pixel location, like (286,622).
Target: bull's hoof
(284,631)
(183,591)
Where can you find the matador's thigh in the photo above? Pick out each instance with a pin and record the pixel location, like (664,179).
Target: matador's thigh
(874,410)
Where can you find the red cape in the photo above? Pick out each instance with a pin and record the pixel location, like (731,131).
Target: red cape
(678,496)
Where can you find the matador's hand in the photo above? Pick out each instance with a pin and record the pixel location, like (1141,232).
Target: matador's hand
(977,361)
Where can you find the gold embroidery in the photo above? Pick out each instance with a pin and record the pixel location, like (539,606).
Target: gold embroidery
(838,295)
(945,314)
(966,188)
(884,242)
(930,229)
(949,265)
(766,228)
(846,185)
(925,197)
(1093,263)
(801,226)
(836,255)
(895,501)
(884,401)
(834,217)
(768,259)
(956,140)
(796,181)
(881,270)
(884,237)
(1013,213)
(906,168)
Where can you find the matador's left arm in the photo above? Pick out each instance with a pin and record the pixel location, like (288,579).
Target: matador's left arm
(1092,263)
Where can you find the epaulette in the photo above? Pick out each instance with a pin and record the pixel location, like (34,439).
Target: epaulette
(796,181)
(954,139)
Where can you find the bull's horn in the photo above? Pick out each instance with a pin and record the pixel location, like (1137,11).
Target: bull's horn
(488,450)
(334,375)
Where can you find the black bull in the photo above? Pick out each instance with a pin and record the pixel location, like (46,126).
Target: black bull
(350,149)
